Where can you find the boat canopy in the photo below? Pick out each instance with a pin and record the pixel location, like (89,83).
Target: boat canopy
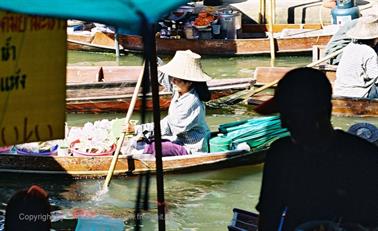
(124,14)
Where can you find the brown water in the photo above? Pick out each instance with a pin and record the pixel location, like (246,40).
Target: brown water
(196,201)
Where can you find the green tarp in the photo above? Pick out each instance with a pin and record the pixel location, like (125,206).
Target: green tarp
(258,133)
(125,14)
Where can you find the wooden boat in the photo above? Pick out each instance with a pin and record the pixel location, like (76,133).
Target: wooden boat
(82,164)
(342,106)
(88,91)
(288,38)
(127,165)
(265,75)
(86,41)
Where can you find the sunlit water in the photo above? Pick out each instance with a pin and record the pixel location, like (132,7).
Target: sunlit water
(195,201)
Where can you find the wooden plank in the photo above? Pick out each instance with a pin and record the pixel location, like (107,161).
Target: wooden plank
(252,41)
(264,75)
(341,106)
(250,28)
(97,166)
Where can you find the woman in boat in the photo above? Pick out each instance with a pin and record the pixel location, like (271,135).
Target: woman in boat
(357,73)
(184,129)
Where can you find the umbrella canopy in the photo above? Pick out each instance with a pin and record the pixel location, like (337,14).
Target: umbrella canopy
(125,14)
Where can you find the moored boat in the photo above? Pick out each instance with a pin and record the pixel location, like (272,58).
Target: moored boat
(265,75)
(91,92)
(342,106)
(288,38)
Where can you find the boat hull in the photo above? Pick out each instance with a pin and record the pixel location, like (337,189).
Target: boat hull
(80,167)
(229,47)
(341,106)
(87,94)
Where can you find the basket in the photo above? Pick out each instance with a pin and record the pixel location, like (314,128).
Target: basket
(5,149)
(53,150)
(76,152)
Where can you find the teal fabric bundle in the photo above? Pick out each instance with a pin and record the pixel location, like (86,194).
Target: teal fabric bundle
(258,133)
(99,224)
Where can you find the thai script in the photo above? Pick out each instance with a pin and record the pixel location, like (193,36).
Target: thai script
(11,22)
(8,51)
(42,23)
(13,82)
(23,134)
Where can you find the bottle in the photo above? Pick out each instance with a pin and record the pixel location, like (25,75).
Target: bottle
(180,29)
(215,28)
(169,32)
(173,31)
(163,33)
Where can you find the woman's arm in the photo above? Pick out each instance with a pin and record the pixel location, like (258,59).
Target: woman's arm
(371,68)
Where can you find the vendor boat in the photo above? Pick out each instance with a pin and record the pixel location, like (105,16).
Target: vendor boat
(235,144)
(252,39)
(92,89)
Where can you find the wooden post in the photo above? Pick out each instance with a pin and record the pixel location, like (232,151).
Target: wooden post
(273,6)
(261,13)
(271,38)
(116,44)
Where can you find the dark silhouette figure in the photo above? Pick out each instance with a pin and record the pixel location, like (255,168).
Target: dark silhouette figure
(28,210)
(318,172)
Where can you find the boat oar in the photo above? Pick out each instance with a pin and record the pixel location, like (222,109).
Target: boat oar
(122,137)
(325,58)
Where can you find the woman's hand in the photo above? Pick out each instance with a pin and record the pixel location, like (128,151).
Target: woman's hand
(129,128)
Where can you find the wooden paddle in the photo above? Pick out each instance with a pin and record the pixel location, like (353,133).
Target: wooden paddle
(268,85)
(122,137)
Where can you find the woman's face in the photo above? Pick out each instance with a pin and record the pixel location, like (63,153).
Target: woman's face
(180,85)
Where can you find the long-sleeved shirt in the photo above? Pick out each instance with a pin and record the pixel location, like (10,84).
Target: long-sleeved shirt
(185,123)
(357,71)
(339,40)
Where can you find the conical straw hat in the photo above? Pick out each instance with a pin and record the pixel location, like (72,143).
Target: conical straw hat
(185,65)
(365,28)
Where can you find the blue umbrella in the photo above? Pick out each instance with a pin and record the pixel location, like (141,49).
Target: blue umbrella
(125,14)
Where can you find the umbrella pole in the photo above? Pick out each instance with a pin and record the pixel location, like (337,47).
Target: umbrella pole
(150,53)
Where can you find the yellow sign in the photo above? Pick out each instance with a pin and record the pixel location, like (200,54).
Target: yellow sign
(32,78)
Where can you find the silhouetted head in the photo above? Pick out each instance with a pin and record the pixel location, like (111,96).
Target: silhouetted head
(303,99)
(28,210)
